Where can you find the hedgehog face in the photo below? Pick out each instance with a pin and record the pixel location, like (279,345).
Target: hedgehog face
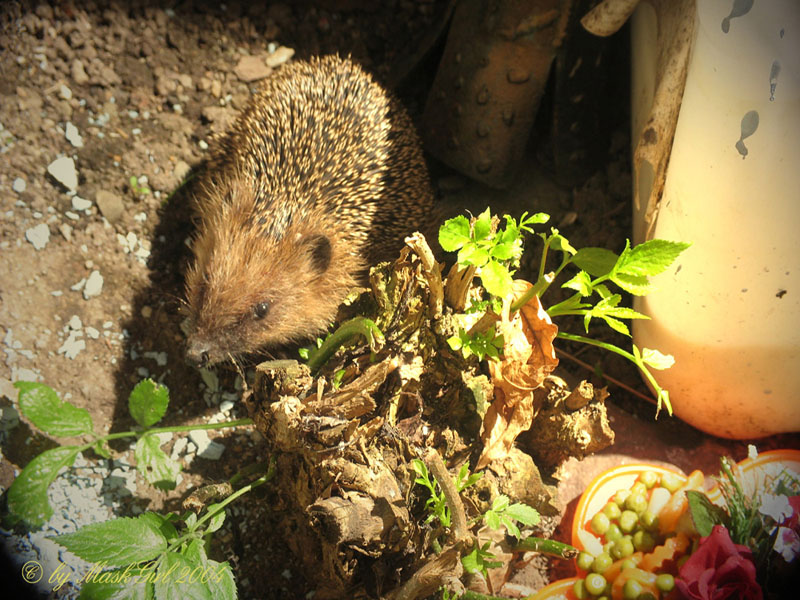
(248,291)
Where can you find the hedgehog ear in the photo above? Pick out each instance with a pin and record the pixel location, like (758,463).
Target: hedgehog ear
(319,248)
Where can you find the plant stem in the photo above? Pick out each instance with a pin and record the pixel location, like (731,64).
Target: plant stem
(243,490)
(550,547)
(347,330)
(535,290)
(176,429)
(662,395)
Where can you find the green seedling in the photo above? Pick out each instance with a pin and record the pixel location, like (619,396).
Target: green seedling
(503,514)
(136,188)
(147,404)
(149,556)
(488,343)
(495,253)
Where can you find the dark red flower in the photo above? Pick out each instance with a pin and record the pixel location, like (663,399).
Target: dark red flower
(792,522)
(719,569)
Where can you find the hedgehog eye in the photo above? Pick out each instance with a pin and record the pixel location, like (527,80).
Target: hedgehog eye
(260,310)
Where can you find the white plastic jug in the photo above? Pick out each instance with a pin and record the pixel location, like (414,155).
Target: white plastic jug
(729,309)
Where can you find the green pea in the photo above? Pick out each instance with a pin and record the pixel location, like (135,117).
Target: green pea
(623,548)
(620,496)
(612,510)
(670,481)
(595,583)
(648,520)
(601,562)
(627,521)
(600,523)
(636,502)
(579,588)
(665,582)
(644,541)
(628,563)
(631,589)
(613,533)
(649,479)
(639,488)
(584,561)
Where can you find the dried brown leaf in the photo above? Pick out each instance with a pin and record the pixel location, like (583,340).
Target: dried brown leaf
(528,357)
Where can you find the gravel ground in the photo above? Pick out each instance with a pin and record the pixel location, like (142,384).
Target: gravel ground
(105,108)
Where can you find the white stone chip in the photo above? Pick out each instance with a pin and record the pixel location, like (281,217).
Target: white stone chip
(79,203)
(92,333)
(75,322)
(19,185)
(63,170)
(65,92)
(38,235)
(205,447)
(72,345)
(94,285)
(73,135)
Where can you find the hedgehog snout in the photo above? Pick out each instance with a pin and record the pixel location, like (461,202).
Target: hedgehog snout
(198,353)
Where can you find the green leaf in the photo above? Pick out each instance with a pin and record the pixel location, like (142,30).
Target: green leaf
(48,412)
(148,402)
(472,254)
(482,226)
(705,514)
(129,583)
(535,219)
(174,579)
(500,503)
(527,515)
(651,257)
(633,284)
(595,261)
(217,520)
(154,464)
(492,520)
(504,251)
(116,543)
(196,552)
(161,523)
(655,359)
(616,325)
(559,242)
(510,526)
(27,496)
(454,342)
(581,283)
(454,233)
(496,279)
(221,582)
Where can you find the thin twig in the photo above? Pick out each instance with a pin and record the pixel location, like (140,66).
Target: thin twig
(608,378)
(436,466)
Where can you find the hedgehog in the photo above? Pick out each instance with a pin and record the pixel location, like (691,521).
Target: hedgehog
(320,175)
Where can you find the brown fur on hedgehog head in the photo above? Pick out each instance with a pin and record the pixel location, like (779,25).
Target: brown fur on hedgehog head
(251,289)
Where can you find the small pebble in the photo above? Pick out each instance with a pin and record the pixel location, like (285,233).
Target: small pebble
(79,203)
(94,285)
(73,135)
(38,235)
(65,92)
(63,170)
(19,185)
